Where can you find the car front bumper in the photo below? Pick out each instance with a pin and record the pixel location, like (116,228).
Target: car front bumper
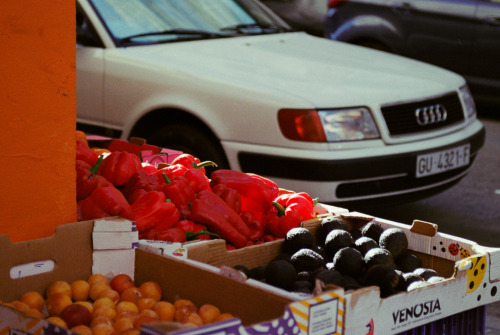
(361,179)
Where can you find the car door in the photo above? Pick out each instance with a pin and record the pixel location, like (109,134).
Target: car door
(441,31)
(89,72)
(485,60)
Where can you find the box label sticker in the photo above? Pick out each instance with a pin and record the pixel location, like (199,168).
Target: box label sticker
(416,313)
(323,317)
(31,269)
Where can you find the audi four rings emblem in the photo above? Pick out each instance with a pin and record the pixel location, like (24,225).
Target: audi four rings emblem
(431,114)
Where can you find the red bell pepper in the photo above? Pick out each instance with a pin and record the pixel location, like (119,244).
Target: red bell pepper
(197,179)
(288,211)
(140,183)
(204,212)
(119,166)
(153,211)
(180,193)
(256,226)
(84,153)
(230,196)
(104,202)
(193,230)
(172,171)
(192,162)
(173,234)
(87,180)
(149,168)
(227,212)
(257,193)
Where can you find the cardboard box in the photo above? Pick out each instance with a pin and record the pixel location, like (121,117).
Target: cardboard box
(472,275)
(23,267)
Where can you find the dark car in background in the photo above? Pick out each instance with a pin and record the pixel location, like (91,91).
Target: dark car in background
(459,35)
(303,15)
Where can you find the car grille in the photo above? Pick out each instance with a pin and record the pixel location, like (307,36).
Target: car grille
(401,119)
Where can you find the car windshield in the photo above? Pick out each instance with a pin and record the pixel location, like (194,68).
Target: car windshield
(138,22)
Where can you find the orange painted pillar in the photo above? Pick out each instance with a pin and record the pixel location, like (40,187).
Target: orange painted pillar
(37,117)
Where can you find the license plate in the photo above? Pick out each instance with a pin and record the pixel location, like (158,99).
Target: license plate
(441,161)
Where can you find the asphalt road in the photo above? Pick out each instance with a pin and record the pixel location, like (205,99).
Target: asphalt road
(470,209)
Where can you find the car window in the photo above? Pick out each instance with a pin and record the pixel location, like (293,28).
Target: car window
(153,20)
(85,33)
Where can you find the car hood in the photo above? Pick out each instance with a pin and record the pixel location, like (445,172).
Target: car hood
(320,71)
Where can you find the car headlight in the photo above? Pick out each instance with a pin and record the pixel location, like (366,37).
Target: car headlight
(335,125)
(469,105)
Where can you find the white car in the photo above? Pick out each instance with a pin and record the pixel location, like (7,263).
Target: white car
(226,80)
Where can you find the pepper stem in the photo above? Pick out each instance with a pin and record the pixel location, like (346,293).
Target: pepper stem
(281,209)
(203,164)
(95,167)
(168,181)
(191,236)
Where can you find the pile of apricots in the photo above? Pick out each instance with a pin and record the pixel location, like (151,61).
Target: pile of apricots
(102,306)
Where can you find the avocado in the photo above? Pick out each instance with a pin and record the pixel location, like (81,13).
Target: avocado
(302,286)
(435,279)
(416,284)
(280,273)
(257,273)
(306,260)
(336,240)
(373,230)
(383,276)
(394,240)
(355,233)
(304,275)
(425,273)
(350,283)
(326,226)
(376,256)
(365,243)
(296,239)
(408,262)
(349,261)
(329,277)
(406,279)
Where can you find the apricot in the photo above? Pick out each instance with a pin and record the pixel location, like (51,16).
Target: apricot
(56,302)
(123,324)
(120,282)
(86,304)
(165,310)
(112,294)
(34,300)
(106,311)
(96,278)
(35,313)
(20,306)
(82,330)
(97,289)
(57,321)
(149,312)
(208,313)
(59,286)
(144,320)
(126,306)
(80,289)
(103,301)
(126,315)
(103,329)
(224,316)
(145,303)
(183,311)
(193,319)
(151,289)
(101,319)
(131,294)
(180,302)
(132,331)
(76,315)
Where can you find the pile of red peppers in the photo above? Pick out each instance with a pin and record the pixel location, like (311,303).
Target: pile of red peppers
(179,202)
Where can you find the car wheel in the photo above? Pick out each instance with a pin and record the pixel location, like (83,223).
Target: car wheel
(192,140)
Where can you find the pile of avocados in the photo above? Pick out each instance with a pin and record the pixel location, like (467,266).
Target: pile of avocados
(350,258)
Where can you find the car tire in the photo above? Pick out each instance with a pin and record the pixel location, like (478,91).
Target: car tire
(192,140)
